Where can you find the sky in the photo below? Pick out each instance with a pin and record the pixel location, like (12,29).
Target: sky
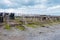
(48,7)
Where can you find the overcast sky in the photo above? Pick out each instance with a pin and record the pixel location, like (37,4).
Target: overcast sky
(48,7)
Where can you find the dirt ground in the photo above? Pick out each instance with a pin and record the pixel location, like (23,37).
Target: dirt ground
(40,33)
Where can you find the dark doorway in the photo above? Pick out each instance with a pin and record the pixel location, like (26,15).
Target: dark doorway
(44,18)
(1,17)
(12,16)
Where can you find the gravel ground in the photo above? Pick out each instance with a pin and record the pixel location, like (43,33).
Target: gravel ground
(40,33)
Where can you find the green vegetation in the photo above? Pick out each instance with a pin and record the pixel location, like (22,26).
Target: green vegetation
(18,21)
(7,26)
(49,22)
(35,24)
(20,27)
(31,25)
